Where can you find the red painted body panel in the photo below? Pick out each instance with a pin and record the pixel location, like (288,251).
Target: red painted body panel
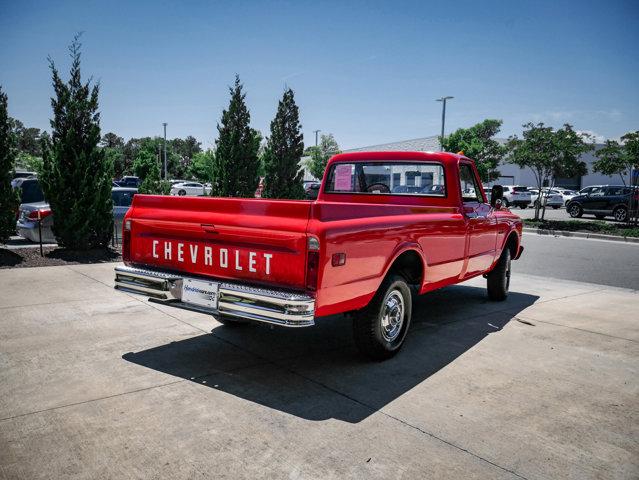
(372,231)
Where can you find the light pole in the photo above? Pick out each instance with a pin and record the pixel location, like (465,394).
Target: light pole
(164,125)
(443,100)
(316,132)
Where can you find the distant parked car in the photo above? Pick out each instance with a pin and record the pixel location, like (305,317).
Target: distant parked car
(516,195)
(122,198)
(605,201)
(28,214)
(32,202)
(129,181)
(550,198)
(566,194)
(27,225)
(190,189)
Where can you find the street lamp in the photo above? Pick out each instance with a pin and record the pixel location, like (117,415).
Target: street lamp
(164,125)
(443,100)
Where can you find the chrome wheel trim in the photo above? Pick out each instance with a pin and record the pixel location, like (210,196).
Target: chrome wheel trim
(620,214)
(574,210)
(393,313)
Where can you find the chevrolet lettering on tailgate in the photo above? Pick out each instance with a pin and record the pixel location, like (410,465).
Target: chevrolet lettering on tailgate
(212,256)
(385,226)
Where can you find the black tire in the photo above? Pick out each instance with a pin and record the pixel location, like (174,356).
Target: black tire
(575,210)
(181,193)
(231,321)
(374,339)
(498,280)
(620,213)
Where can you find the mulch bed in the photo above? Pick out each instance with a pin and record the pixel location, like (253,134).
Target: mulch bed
(30,257)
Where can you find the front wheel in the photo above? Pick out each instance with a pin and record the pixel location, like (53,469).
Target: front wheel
(499,277)
(575,210)
(380,328)
(181,193)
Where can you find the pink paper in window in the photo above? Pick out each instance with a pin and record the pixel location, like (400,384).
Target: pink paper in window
(343,177)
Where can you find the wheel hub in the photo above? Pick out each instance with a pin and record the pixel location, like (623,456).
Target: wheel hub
(392,316)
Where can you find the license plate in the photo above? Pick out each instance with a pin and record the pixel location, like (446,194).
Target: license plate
(200,292)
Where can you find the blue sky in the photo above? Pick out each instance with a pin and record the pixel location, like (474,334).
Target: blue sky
(368,72)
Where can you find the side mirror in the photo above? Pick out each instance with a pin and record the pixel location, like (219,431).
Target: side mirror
(496,195)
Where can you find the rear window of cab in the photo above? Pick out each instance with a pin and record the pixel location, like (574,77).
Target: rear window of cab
(387,178)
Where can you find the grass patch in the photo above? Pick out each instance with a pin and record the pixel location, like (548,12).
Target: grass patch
(618,229)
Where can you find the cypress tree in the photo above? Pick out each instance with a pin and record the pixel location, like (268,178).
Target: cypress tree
(76,176)
(8,196)
(284,149)
(235,165)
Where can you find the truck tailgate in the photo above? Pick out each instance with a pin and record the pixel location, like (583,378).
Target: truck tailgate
(259,241)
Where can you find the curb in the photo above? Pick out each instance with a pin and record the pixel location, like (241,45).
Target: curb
(594,236)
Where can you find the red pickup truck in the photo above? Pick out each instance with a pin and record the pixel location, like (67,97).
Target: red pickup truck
(385,226)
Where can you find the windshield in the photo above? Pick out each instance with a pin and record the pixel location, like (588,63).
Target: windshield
(397,178)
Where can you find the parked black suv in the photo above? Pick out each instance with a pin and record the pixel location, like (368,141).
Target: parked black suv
(604,201)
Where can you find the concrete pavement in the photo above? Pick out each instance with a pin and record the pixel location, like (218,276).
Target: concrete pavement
(99,384)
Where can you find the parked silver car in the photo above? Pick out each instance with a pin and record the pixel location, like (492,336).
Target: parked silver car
(27,225)
(554,200)
(122,198)
(29,213)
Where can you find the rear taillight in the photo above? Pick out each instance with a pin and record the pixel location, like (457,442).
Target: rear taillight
(312,263)
(126,241)
(39,214)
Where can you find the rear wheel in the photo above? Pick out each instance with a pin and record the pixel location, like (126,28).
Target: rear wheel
(380,328)
(499,278)
(575,210)
(620,214)
(181,193)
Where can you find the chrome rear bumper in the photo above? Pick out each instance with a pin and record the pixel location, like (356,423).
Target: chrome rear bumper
(278,307)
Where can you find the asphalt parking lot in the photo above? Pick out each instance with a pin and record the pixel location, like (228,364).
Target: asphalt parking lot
(99,384)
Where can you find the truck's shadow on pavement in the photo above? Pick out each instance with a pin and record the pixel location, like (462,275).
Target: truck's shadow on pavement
(316,373)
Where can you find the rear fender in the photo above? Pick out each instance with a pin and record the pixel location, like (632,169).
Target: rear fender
(401,249)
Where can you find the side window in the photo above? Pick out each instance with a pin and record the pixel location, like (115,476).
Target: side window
(470,190)
(597,192)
